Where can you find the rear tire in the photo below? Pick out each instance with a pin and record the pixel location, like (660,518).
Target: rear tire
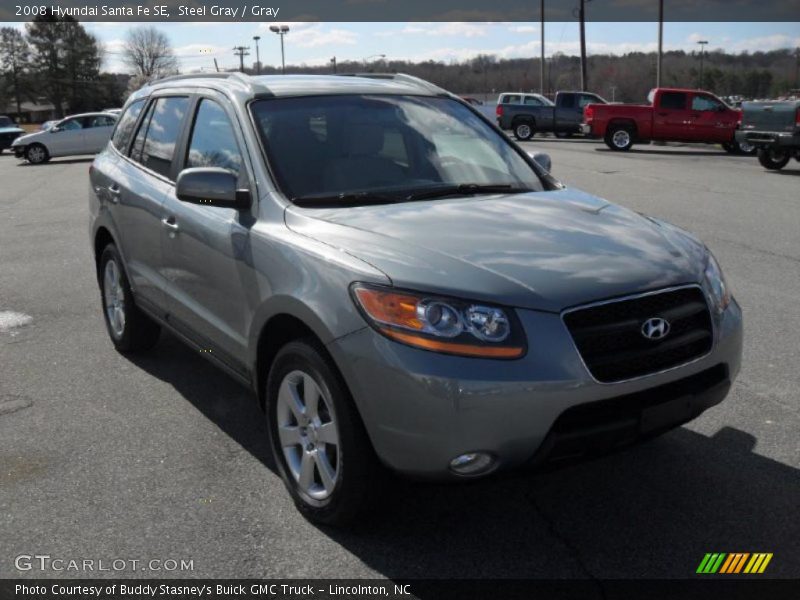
(619,138)
(524,130)
(563,135)
(36,154)
(773,159)
(729,147)
(317,437)
(129,328)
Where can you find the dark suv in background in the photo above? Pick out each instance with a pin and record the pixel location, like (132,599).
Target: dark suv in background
(400,283)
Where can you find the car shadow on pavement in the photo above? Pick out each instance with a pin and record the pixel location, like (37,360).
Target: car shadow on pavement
(649,511)
(675,152)
(57,161)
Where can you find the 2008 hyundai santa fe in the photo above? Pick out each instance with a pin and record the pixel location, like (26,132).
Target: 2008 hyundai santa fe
(401,284)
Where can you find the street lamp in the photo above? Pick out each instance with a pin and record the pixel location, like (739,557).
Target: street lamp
(702,48)
(258,58)
(367,59)
(281,30)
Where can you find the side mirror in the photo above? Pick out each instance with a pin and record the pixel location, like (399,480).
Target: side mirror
(542,159)
(56,129)
(211,186)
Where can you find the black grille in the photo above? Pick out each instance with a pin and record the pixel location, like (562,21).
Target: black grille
(609,336)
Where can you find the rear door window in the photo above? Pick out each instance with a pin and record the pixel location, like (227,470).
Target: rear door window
(511,99)
(122,134)
(155,148)
(673,100)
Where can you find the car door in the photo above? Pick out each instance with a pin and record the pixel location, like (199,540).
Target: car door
(143,177)
(671,116)
(65,138)
(97,131)
(710,119)
(206,247)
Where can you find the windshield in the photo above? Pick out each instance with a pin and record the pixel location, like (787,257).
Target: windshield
(392,146)
(6,122)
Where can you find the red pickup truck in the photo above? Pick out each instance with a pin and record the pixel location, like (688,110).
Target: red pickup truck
(673,115)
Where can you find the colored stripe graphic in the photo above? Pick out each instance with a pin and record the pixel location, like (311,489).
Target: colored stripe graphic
(711,562)
(740,563)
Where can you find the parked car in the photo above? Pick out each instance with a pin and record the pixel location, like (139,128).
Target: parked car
(774,129)
(564,118)
(78,134)
(401,285)
(672,115)
(8,132)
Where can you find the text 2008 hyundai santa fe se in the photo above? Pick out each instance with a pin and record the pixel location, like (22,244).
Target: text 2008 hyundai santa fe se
(401,284)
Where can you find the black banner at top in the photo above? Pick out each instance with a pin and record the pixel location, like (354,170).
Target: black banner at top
(405,10)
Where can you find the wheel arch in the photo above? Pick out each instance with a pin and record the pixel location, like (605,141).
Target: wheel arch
(621,122)
(282,320)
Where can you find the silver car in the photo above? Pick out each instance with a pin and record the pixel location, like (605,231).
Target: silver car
(87,133)
(400,284)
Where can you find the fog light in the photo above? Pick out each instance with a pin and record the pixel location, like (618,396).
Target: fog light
(472,463)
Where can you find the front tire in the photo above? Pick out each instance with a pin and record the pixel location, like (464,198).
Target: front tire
(129,328)
(619,138)
(524,130)
(36,154)
(773,159)
(318,440)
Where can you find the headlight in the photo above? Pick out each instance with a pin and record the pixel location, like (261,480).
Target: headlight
(716,284)
(441,324)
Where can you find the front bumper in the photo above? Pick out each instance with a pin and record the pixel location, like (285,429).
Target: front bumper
(19,151)
(769,139)
(422,409)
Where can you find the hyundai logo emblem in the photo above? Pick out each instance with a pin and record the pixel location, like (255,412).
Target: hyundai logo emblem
(655,328)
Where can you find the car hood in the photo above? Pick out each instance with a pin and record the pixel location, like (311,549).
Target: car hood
(545,250)
(11,130)
(23,139)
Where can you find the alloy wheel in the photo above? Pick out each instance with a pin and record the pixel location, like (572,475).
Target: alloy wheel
(308,434)
(621,138)
(114,298)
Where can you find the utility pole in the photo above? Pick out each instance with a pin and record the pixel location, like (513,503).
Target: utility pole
(258,58)
(541,64)
(241,52)
(216,66)
(660,41)
(702,49)
(333,62)
(613,92)
(582,17)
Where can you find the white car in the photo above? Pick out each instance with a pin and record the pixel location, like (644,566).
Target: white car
(87,133)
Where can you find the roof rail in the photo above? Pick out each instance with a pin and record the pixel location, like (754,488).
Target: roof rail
(403,78)
(241,77)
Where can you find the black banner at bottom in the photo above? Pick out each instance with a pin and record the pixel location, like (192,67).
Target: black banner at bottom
(403,589)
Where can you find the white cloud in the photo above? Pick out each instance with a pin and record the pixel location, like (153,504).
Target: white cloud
(315,35)
(456,28)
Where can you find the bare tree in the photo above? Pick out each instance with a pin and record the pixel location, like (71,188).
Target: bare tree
(149,54)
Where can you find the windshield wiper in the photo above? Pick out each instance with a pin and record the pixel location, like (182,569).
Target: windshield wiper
(465,189)
(345,199)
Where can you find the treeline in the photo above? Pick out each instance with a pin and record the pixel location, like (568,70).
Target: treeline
(627,78)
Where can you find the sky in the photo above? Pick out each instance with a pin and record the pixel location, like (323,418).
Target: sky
(197,44)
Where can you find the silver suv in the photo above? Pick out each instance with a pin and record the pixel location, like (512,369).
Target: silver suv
(400,284)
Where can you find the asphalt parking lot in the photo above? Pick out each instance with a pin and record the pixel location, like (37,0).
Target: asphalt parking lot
(163,457)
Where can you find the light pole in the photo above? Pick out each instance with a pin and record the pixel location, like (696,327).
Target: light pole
(660,42)
(541,62)
(258,58)
(281,30)
(333,62)
(367,59)
(702,49)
